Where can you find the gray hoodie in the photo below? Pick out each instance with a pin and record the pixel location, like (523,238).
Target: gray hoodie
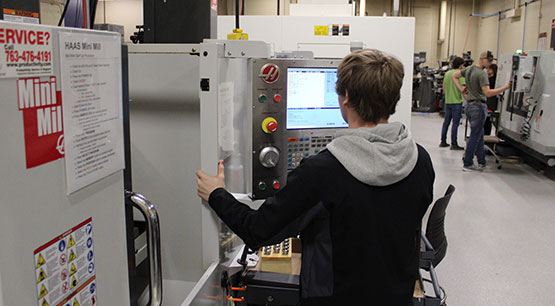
(377,156)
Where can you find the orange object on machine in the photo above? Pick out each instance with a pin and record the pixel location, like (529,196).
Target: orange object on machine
(244,288)
(242,299)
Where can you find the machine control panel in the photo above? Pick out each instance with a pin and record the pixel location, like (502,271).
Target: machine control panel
(295,114)
(301,147)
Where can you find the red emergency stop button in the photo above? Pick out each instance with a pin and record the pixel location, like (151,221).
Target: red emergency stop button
(276,184)
(269,125)
(277,98)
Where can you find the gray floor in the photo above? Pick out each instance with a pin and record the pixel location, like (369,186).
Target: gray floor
(500,227)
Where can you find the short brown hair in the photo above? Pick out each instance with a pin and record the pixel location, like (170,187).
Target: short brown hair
(373,81)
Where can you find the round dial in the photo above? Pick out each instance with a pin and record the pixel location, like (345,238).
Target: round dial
(269,157)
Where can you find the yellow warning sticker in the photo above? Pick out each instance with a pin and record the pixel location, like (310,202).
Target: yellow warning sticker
(320,30)
(71,242)
(40,261)
(72,256)
(63,265)
(42,276)
(73,269)
(43,291)
(74,283)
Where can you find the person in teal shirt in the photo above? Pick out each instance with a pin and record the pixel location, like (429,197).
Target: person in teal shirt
(453,106)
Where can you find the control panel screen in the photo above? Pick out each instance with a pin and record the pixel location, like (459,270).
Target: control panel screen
(311,99)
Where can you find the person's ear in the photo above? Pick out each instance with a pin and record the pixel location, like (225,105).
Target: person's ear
(345,101)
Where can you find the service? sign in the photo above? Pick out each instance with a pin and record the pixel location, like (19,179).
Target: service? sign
(27,50)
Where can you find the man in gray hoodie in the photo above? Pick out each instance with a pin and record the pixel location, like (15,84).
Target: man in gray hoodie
(368,190)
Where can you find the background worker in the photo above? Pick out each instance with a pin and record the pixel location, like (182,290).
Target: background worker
(477,83)
(453,105)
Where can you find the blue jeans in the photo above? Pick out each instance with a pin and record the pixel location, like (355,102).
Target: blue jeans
(452,112)
(476,113)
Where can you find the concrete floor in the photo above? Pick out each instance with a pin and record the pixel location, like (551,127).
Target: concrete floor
(500,227)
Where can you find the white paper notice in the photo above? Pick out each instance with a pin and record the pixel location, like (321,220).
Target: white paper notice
(225,117)
(92,106)
(27,50)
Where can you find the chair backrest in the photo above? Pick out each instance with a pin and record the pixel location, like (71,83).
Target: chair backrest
(435,229)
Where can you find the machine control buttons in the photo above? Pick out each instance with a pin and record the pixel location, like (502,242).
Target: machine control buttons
(269,157)
(261,186)
(277,98)
(269,125)
(262,98)
(276,184)
(304,147)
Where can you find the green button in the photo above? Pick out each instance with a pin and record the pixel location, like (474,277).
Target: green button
(262,98)
(262,186)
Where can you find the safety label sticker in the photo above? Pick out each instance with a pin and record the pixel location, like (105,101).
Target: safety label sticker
(64,268)
(320,30)
(332,30)
(21,16)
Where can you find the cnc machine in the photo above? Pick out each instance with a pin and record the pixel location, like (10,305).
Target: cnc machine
(257,109)
(528,114)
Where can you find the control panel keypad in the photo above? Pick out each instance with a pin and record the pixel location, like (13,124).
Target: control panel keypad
(302,147)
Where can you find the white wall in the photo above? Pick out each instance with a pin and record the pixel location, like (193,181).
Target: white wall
(426,31)
(538,20)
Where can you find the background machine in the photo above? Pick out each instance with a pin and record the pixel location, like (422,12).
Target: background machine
(528,110)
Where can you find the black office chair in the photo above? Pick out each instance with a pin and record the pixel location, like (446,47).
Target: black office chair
(434,247)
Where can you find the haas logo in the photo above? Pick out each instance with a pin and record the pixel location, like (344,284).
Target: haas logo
(269,73)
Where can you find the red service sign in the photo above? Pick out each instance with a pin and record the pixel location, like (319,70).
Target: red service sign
(214,5)
(41,105)
(27,51)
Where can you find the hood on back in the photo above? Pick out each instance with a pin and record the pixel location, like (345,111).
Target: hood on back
(377,156)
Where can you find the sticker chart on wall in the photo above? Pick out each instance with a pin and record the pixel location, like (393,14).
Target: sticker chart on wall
(64,268)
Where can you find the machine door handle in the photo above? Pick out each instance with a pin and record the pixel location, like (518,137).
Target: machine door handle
(153,241)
